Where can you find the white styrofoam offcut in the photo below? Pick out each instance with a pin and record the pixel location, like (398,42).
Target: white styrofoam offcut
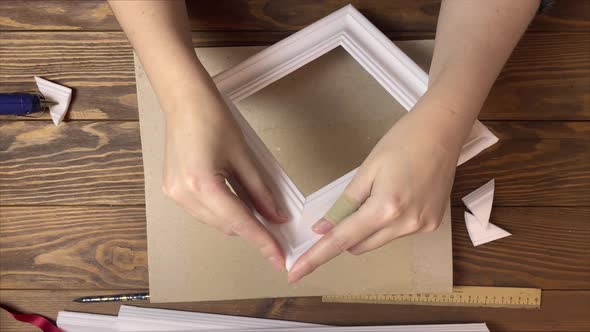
(60,94)
(480,202)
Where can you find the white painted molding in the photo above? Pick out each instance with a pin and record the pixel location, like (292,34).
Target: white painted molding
(69,321)
(391,67)
(151,320)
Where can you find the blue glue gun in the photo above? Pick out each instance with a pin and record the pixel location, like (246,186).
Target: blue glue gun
(23,103)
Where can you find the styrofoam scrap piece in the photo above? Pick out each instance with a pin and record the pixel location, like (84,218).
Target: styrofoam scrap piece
(142,319)
(480,234)
(81,322)
(468,327)
(60,94)
(480,202)
(151,319)
(480,138)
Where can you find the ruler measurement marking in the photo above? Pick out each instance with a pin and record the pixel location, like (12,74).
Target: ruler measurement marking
(470,296)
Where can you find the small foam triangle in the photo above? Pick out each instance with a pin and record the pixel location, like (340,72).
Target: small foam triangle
(480,202)
(60,94)
(480,138)
(480,234)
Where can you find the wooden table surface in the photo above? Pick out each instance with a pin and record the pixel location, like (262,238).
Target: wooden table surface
(72,213)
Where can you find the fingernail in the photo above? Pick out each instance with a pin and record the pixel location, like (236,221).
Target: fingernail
(295,275)
(276,263)
(282,214)
(322,227)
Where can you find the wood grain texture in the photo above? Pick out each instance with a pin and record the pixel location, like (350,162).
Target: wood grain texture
(534,163)
(78,163)
(548,77)
(560,311)
(82,163)
(73,248)
(268,15)
(97,66)
(72,219)
(549,249)
(105,248)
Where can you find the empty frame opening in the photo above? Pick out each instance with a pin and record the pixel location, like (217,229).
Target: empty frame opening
(322,120)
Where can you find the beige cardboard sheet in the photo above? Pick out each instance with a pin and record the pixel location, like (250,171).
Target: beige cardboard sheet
(332,101)
(322,120)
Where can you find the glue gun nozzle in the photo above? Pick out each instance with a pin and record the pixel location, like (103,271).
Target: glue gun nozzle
(47,103)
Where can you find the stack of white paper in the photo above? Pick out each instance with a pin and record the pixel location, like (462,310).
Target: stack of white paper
(148,319)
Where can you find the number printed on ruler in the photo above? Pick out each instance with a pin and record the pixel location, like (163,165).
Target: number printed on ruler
(463,296)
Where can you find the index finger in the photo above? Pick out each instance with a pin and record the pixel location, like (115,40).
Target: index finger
(352,230)
(235,217)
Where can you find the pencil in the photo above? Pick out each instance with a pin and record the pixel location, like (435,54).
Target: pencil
(113,298)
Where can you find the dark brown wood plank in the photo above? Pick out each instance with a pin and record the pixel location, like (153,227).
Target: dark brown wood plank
(284,15)
(98,66)
(105,247)
(82,163)
(560,311)
(57,15)
(534,163)
(73,248)
(549,249)
(543,78)
(547,78)
(77,163)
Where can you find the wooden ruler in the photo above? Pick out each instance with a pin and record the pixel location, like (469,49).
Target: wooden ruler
(461,296)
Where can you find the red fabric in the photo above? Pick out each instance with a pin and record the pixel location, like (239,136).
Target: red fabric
(41,322)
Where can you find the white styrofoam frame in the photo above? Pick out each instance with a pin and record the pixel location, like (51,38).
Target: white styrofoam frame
(390,66)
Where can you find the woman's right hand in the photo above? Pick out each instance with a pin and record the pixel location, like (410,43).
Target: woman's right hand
(204,147)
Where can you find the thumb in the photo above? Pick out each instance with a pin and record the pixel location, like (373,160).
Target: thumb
(351,199)
(251,177)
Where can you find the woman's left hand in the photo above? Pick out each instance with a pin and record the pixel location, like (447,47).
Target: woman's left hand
(402,187)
